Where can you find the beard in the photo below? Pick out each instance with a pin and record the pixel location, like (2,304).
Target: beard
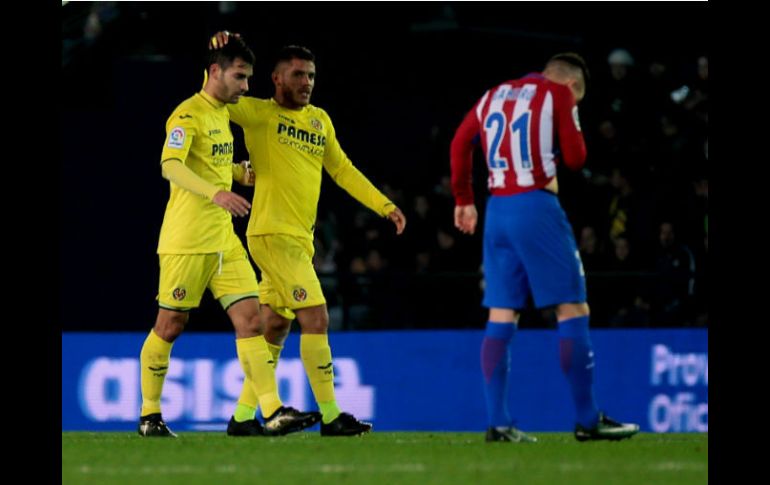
(299,99)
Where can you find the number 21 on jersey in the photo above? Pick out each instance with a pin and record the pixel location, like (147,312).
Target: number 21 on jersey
(519,151)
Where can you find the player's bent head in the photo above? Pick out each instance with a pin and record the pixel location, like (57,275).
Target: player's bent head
(225,56)
(289,52)
(572,69)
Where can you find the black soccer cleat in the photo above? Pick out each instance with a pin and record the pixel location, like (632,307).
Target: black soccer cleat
(250,427)
(606,429)
(509,434)
(345,425)
(287,420)
(153,426)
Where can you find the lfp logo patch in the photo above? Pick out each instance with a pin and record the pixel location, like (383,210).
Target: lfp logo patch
(299,294)
(176,137)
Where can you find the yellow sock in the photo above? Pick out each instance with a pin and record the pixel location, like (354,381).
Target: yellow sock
(317,359)
(255,360)
(248,398)
(275,351)
(154,363)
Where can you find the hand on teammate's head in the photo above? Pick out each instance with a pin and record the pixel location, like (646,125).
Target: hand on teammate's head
(221,38)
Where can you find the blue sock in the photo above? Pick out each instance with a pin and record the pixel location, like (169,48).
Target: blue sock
(495,362)
(577,363)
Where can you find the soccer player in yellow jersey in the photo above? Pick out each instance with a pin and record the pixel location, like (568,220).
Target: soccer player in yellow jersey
(290,142)
(198,249)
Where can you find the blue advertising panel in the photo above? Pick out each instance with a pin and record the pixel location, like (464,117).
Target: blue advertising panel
(398,380)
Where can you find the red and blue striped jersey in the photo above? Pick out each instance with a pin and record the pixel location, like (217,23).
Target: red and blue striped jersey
(526,127)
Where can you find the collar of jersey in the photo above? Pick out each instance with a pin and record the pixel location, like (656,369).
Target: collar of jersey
(272,100)
(211,100)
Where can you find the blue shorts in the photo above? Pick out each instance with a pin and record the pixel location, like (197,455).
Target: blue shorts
(529,248)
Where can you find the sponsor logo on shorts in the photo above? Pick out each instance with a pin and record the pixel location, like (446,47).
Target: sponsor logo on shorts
(179,293)
(299,294)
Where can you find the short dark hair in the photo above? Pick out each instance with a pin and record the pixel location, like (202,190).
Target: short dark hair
(572,59)
(227,54)
(289,52)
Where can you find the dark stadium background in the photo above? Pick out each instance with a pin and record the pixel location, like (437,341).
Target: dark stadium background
(396,79)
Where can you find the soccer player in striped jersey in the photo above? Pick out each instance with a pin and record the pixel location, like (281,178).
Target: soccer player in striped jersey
(290,142)
(198,248)
(526,127)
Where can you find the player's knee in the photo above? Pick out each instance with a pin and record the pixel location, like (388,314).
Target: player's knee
(315,322)
(254,325)
(503,315)
(276,324)
(170,325)
(317,327)
(247,326)
(566,311)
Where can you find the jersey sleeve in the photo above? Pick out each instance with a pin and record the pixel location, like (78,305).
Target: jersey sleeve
(174,171)
(347,176)
(238,172)
(571,142)
(461,157)
(181,129)
(244,111)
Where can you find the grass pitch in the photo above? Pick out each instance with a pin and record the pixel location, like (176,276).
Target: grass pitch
(381,458)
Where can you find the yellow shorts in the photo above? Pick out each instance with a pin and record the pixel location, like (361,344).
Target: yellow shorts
(288,281)
(184,277)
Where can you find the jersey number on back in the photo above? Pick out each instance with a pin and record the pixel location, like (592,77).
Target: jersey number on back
(520,149)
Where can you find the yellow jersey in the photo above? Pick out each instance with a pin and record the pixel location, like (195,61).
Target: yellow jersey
(198,134)
(288,149)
